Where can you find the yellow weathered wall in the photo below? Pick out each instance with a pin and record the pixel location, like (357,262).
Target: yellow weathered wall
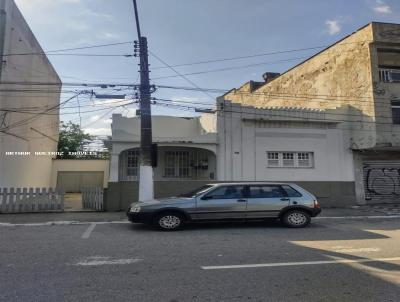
(341,70)
(337,79)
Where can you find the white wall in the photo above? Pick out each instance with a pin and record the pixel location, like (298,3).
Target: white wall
(245,136)
(165,128)
(26,171)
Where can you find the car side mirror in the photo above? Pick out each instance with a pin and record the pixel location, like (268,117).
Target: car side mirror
(206,197)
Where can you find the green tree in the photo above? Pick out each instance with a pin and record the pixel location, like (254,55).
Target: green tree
(72,139)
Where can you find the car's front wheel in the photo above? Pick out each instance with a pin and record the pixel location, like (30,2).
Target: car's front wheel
(296,219)
(169,221)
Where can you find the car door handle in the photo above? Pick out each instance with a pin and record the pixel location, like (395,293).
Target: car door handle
(241,200)
(285,199)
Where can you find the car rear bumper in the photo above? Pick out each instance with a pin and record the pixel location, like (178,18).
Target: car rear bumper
(315,212)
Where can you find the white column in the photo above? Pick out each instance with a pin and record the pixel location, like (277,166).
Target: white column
(114,168)
(146,184)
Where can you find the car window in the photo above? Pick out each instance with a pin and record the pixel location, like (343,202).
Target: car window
(291,192)
(266,191)
(227,192)
(196,192)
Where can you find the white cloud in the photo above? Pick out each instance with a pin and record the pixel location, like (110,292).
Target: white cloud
(98,131)
(190,99)
(94,14)
(382,8)
(73,14)
(334,26)
(108,36)
(94,118)
(31,4)
(117,102)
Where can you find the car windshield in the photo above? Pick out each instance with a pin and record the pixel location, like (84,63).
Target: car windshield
(196,192)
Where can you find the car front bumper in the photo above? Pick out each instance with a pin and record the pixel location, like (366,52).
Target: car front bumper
(139,217)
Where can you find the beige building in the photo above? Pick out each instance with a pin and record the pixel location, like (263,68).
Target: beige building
(71,175)
(353,87)
(23,130)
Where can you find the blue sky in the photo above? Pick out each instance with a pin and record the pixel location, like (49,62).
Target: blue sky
(185,31)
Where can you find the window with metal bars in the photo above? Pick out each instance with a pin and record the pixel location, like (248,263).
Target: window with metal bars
(396,112)
(290,159)
(132,166)
(177,164)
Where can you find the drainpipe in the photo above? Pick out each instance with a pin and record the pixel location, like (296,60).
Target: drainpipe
(2,39)
(3,16)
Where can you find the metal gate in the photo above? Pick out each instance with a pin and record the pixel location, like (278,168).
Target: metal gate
(74,181)
(92,198)
(382,181)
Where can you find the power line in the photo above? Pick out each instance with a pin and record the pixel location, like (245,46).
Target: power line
(56,124)
(72,55)
(303,97)
(179,74)
(68,49)
(296,110)
(307,119)
(229,68)
(66,113)
(242,57)
(25,121)
(101,85)
(322,98)
(297,119)
(261,54)
(184,102)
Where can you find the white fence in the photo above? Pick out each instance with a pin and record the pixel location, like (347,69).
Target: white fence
(92,198)
(27,200)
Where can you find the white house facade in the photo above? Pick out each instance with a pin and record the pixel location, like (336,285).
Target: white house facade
(186,155)
(287,145)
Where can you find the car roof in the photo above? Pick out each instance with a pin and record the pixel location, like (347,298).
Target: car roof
(249,183)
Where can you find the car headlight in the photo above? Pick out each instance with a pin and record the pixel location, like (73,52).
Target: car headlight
(134,209)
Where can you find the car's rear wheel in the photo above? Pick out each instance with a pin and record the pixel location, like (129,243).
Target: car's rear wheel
(296,219)
(169,221)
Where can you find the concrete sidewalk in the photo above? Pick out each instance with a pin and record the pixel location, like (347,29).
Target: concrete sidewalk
(373,210)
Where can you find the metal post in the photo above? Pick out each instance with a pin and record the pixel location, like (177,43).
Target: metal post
(146,184)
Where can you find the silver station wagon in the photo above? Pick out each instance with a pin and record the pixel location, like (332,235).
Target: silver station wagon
(293,205)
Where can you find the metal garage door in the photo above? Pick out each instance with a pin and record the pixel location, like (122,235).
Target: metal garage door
(382,181)
(73,182)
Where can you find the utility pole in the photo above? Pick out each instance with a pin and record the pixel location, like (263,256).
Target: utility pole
(146,184)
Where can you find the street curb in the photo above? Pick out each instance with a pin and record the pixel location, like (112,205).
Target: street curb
(58,223)
(360,217)
(55,223)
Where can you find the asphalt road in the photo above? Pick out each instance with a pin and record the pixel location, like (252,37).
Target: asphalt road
(332,260)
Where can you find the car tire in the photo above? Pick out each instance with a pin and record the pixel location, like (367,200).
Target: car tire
(296,219)
(169,221)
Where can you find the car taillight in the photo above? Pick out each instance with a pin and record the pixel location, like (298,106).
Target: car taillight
(316,204)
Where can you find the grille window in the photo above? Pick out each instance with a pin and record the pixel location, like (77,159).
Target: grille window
(273,159)
(177,164)
(290,159)
(133,163)
(303,159)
